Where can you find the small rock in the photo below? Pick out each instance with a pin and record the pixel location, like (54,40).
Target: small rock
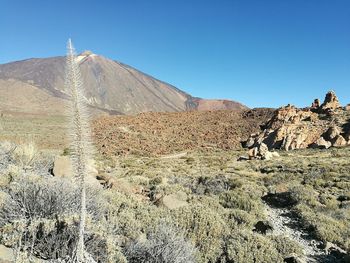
(322,143)
(339,141)
(253,153)
(263,227)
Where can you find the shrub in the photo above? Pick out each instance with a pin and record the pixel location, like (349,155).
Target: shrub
(161,245)
(246,247)
(240,200)
(286,247)
(40,216)
(214,185)
(25,154)
(204,227)
(325,227)
(305,194)
(242,218)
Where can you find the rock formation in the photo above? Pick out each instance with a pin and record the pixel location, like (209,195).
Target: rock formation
(261,152)
(331,101)
(320,126)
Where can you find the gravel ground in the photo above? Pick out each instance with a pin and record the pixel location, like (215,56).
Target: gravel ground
(286,225)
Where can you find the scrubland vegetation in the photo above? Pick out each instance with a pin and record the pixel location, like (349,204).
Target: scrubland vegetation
(213,207)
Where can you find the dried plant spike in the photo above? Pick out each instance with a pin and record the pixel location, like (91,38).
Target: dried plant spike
(80,137)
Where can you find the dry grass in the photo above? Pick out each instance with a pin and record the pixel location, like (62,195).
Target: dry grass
(47,132)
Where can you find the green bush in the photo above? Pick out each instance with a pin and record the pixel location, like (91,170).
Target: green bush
(163,244)
(239,200)
(248,247)
(286,247)
(204,227)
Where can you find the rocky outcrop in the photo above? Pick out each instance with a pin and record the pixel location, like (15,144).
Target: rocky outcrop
(331,102)
(320,126)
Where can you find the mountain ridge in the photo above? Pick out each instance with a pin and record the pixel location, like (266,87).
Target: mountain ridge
(110,85)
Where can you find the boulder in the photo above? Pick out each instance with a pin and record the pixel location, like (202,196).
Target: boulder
(339,141)
(62,167)
(321,143)
(331,102)
(332,133)
(173,201)
(7,255)
(347,107)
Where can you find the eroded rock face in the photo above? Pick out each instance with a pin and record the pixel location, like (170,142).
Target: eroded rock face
(290,128)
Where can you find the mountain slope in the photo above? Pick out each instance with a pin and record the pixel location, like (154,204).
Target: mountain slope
(110,85)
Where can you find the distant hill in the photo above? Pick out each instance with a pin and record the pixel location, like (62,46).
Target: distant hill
(37,86)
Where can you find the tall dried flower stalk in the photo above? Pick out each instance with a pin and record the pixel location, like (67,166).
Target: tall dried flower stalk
(80,137)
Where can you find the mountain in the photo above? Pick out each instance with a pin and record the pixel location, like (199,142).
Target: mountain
(111,86)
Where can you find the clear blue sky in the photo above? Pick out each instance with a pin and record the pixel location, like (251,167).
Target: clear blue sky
(259,52)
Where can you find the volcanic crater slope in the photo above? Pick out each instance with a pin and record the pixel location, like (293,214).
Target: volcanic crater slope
(110,86)
(166,133)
